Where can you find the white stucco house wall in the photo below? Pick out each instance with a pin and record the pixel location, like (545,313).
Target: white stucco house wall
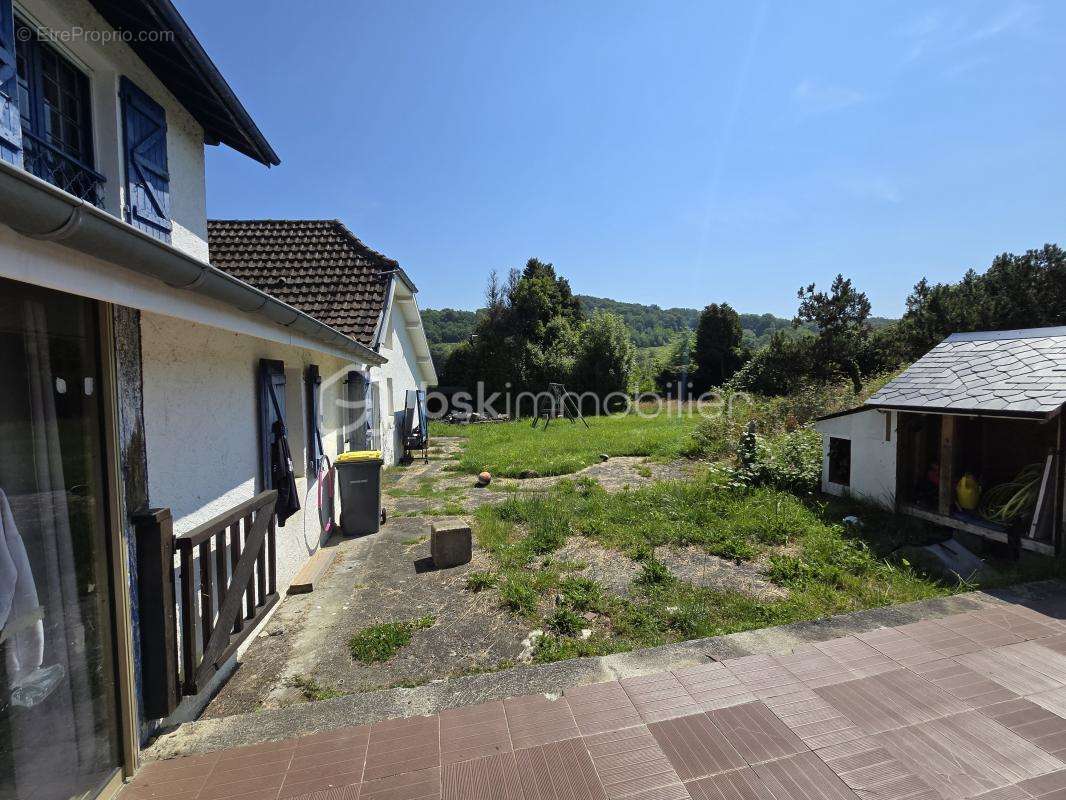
(402,341)
(320,267)
(119,227)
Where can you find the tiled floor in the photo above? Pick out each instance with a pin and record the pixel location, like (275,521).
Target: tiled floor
(962,707)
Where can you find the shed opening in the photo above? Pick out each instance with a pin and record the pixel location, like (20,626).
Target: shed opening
(840,461)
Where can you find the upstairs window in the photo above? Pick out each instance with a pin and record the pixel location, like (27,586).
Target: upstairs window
(55,106)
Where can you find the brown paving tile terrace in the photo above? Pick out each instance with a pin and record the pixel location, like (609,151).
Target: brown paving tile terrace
(535,720)
(713,686)
(559,770)
(969,706)
(660,696)
(602,707)
(473,732)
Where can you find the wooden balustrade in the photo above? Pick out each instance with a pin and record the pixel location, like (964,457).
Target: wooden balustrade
(227,584)
(231,600)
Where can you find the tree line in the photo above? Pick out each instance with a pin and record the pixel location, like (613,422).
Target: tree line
(1016,291)
(534,330)
(650,326)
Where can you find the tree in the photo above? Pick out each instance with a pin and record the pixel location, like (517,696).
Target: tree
(780,367)
(1026,291)
(525,337)
(842,319)
(605,356)
(718,341)
(456,368)
(678,366)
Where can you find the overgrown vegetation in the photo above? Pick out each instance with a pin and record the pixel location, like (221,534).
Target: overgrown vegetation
(827,567)
(380,642)
(786,451)
(426,489)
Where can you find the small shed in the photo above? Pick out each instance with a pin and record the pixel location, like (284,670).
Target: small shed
(987,405)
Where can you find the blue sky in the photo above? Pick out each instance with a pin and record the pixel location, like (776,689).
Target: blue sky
(671,152)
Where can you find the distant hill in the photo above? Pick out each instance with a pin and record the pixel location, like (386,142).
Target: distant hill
(445,328)
(650,325)
(448,325)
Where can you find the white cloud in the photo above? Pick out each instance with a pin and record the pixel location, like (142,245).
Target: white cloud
(1018,15)
(811,97)
(934,32)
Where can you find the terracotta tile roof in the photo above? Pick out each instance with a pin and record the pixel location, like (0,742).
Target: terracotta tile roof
(1021,372)
(315,265)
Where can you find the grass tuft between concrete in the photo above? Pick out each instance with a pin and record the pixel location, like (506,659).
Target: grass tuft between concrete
(380,642)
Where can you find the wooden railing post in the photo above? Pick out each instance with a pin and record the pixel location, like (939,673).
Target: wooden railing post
(188,618)
(251,578)
(160,690)
(235,557)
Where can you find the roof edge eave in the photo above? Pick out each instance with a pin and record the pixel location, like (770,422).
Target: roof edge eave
(966,412)
(38,210)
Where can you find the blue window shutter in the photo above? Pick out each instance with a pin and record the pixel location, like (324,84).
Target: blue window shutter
(10,121)
(144,127)
(269,372)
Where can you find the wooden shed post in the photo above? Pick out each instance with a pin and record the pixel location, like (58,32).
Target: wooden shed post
(1058,514)
(947,464)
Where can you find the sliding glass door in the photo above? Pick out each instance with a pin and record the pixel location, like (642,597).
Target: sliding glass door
(59,720)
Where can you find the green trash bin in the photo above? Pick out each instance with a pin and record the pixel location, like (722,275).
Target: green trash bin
(359,481)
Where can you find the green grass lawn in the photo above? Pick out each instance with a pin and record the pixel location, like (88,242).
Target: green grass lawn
(826,569)
(509,449)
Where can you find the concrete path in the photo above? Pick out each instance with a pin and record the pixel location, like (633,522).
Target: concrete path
(955,706)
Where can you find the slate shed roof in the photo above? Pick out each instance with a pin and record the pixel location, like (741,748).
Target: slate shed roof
(1010,373)
(315,265)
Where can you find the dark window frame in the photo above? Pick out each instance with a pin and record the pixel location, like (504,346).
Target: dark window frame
(839,470)
(53,89)
(356,395)
(32,55)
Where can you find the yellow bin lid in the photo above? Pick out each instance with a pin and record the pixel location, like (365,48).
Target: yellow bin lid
(358,455)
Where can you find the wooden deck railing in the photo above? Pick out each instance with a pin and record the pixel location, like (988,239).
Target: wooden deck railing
(232,598)
(227,578)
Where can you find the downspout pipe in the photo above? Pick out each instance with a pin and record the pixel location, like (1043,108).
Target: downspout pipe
(35,208)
